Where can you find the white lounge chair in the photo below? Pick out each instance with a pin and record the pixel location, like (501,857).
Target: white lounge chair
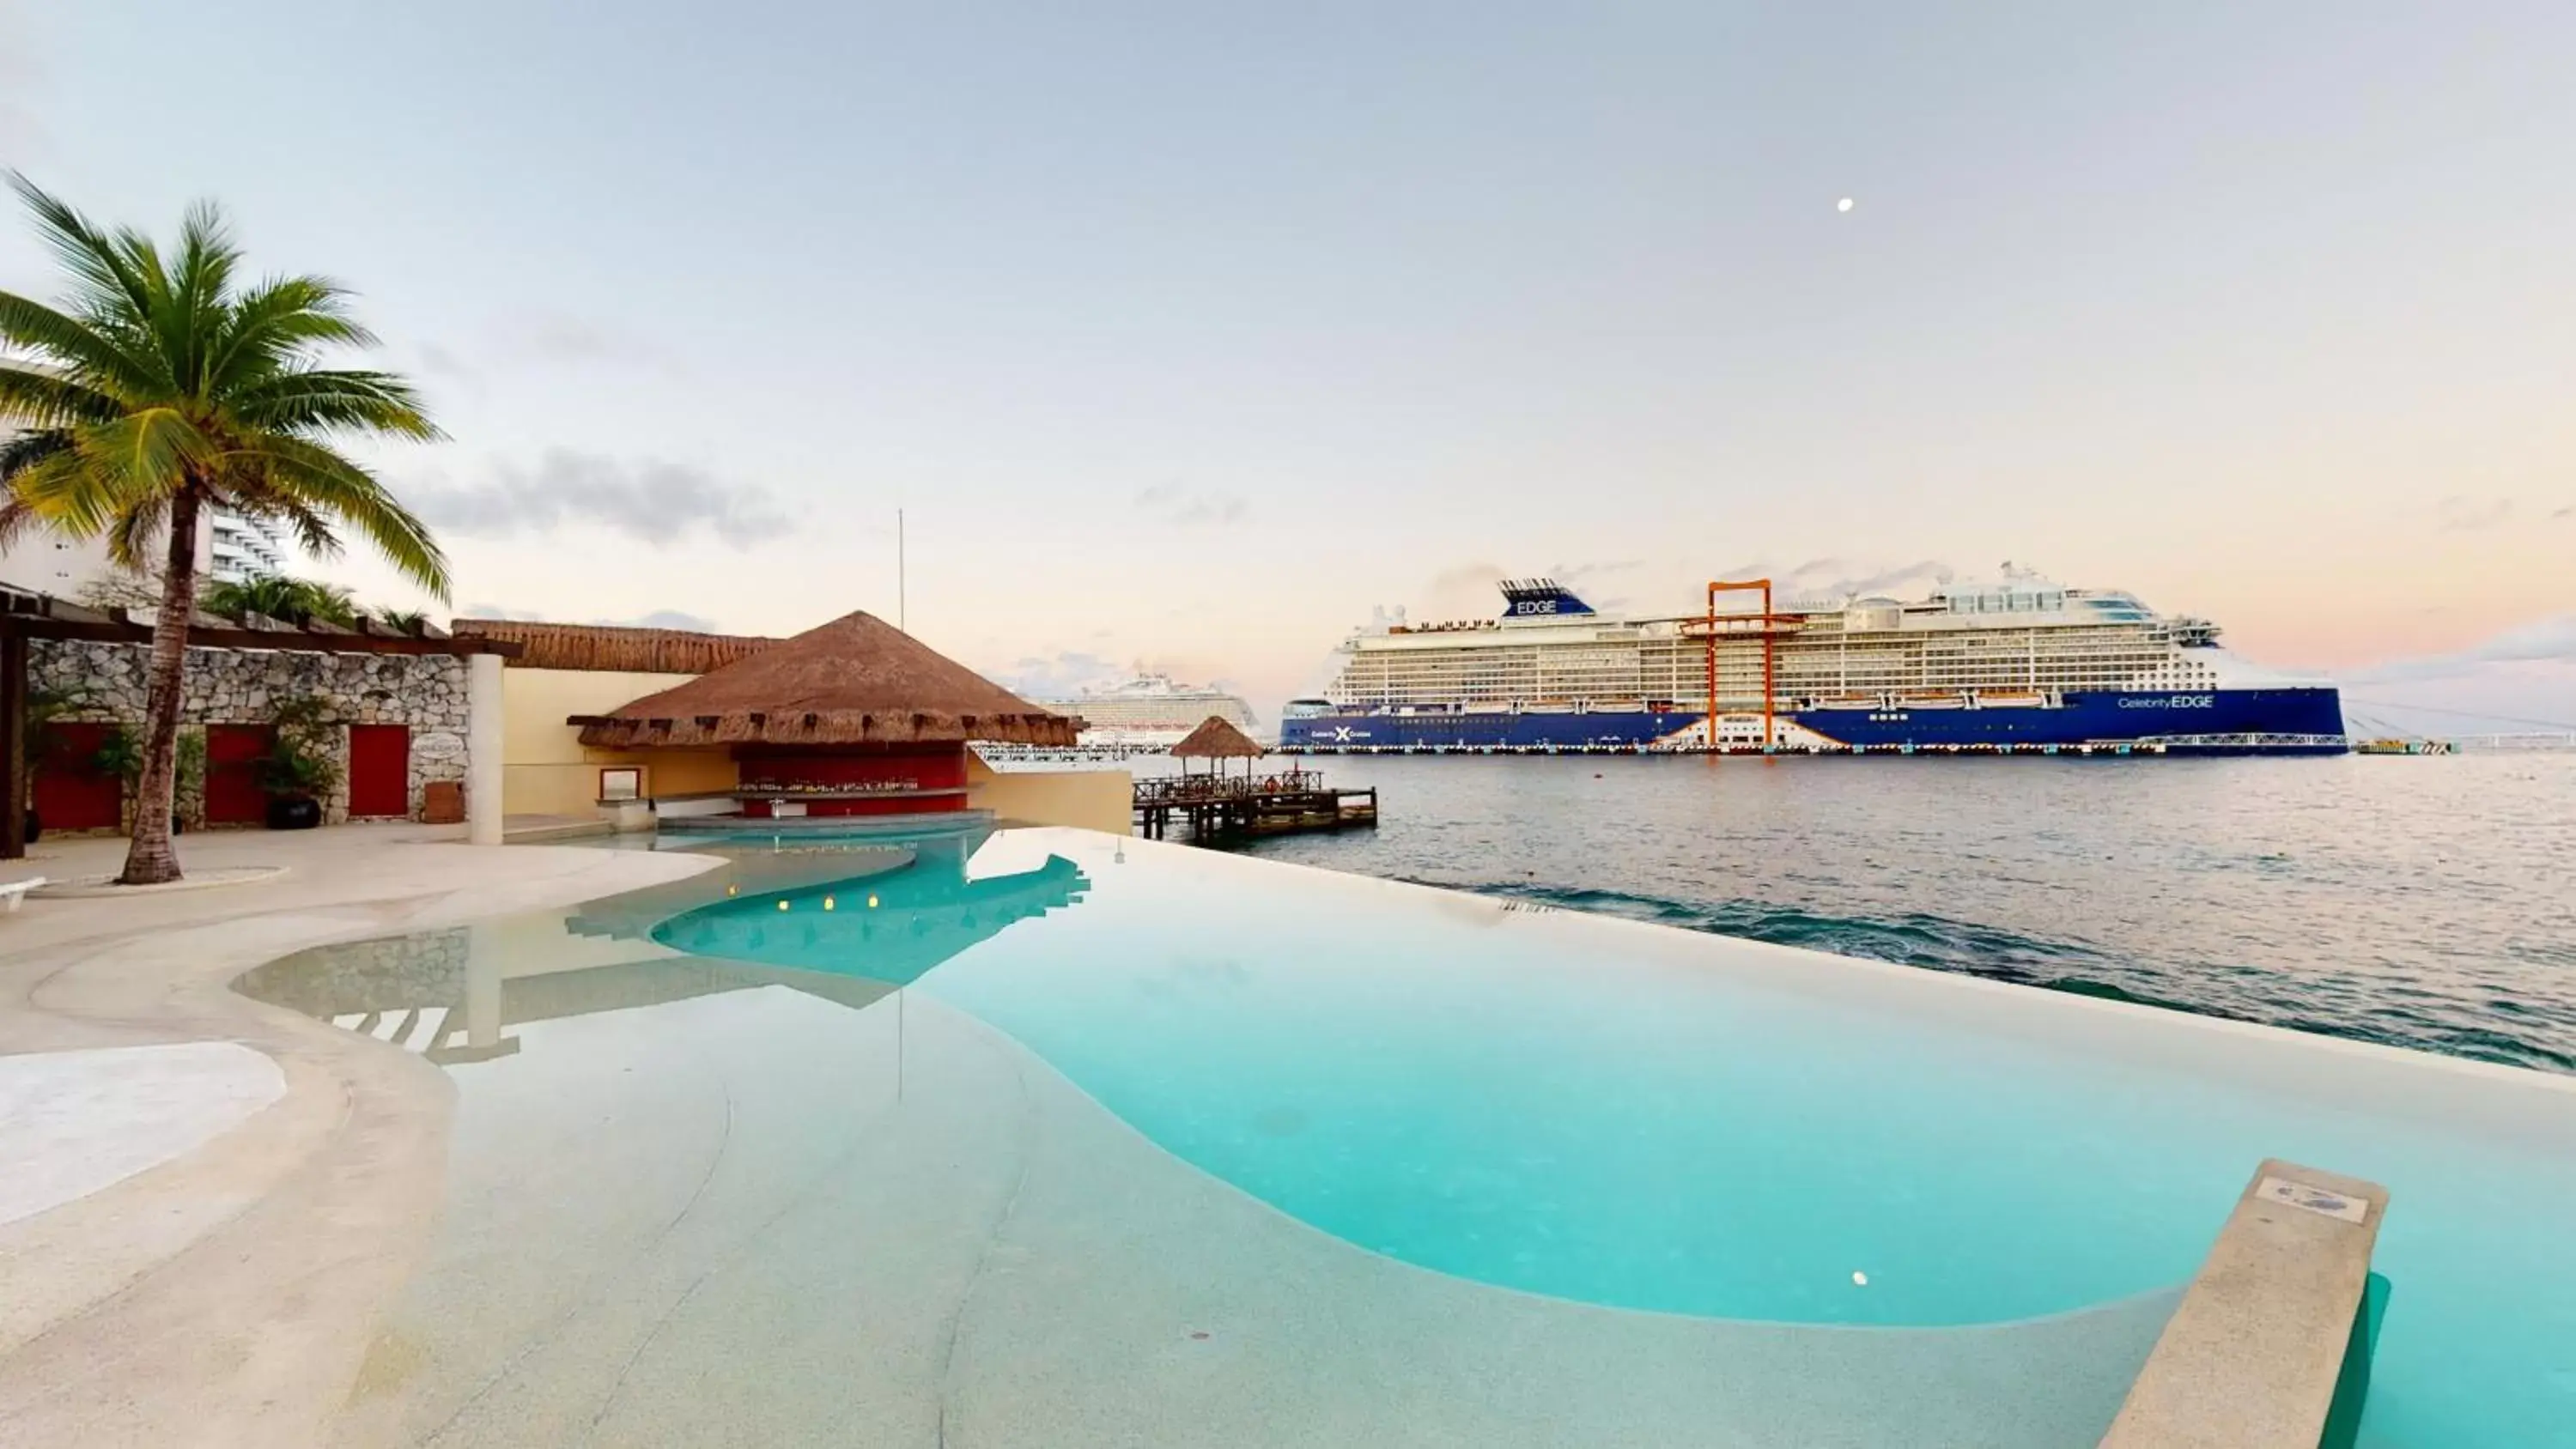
(14,892)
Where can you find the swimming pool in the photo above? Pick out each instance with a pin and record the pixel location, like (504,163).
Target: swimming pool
(1536,1164)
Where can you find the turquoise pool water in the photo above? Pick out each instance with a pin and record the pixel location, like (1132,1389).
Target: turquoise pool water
(1645,1119)
(1593,1111)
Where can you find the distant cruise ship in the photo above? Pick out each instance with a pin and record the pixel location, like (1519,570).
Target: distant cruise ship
(1150,712)
(2018,665)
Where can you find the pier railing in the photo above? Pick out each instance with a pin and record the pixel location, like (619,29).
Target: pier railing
(1217,807)
(1200,789)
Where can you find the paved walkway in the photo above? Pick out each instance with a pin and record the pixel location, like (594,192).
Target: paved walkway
(211,1277)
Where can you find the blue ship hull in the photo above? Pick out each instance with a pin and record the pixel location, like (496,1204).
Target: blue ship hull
(2306,720)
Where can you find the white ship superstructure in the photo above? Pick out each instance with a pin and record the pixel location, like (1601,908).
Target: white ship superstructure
(1150,712)
(2019,661)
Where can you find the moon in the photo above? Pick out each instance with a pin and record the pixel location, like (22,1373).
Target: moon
(1843,205)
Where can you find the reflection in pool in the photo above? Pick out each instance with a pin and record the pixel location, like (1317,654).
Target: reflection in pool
(891,927)
(1622,1115)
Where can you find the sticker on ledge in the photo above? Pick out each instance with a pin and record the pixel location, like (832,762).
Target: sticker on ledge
(2313,1199)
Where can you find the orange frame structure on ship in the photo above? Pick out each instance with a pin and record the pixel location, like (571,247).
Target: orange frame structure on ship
(1765,624)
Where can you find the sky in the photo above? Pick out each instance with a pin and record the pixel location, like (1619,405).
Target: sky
(1185,335)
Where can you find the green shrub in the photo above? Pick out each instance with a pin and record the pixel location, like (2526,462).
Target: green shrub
(299,762)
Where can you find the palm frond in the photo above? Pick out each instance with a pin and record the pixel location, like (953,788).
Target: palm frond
(87,252)
(319,479)
(277,322)
(331,400)
(24,450)
(313,531)
(62,491)
(143,453)
(17,520)
(138,533)
(201,286)
(32,398)
(20,454)
(74,349)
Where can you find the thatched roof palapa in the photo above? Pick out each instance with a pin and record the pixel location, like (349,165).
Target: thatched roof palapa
(1216,738)
(854,681)
(615,647)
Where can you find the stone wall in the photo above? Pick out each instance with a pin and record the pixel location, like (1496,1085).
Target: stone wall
(244,686)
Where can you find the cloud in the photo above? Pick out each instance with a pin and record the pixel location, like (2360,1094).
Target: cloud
(2460,513)
(1595,582)
(437,361)
(1191,508)
(544,339)
(2563,514)
(1462,591)
(653,502)
(1835,579)
(2550,640)
(563,339)
(1061,675)
(1467,576)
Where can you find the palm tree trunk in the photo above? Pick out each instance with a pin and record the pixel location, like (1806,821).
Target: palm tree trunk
(151,860)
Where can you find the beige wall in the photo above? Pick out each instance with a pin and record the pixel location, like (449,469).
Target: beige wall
(545,768)
(1091,799)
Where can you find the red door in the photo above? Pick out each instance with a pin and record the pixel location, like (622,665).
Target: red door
(233,753)
(72,793)
(379,770)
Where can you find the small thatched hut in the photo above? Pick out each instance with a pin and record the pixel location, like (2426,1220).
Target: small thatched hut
(1216,738)
(1215,741)
(854,717)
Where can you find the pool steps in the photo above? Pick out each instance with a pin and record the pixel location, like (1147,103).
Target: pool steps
(2270,1347)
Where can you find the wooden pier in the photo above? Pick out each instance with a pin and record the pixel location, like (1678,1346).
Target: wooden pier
(1215,808)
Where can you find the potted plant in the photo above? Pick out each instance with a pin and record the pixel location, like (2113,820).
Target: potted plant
(121,755)
(298,771)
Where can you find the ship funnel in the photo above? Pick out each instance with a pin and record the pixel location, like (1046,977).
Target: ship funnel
(1540,599)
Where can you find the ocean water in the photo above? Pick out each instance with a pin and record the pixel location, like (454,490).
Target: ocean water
(2419,902)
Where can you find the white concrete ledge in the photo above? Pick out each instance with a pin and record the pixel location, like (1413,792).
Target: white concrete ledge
(2251,1358)
(74,1122)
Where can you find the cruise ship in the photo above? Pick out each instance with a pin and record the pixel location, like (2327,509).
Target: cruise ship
(2019,665)
(1149,712)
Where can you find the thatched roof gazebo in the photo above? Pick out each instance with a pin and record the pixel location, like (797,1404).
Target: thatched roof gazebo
(1216,738)
(854,681)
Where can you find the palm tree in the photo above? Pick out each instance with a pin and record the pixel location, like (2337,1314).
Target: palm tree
(290,601)
(160,387)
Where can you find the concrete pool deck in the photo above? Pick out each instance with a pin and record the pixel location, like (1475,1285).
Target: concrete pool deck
(222,1291)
